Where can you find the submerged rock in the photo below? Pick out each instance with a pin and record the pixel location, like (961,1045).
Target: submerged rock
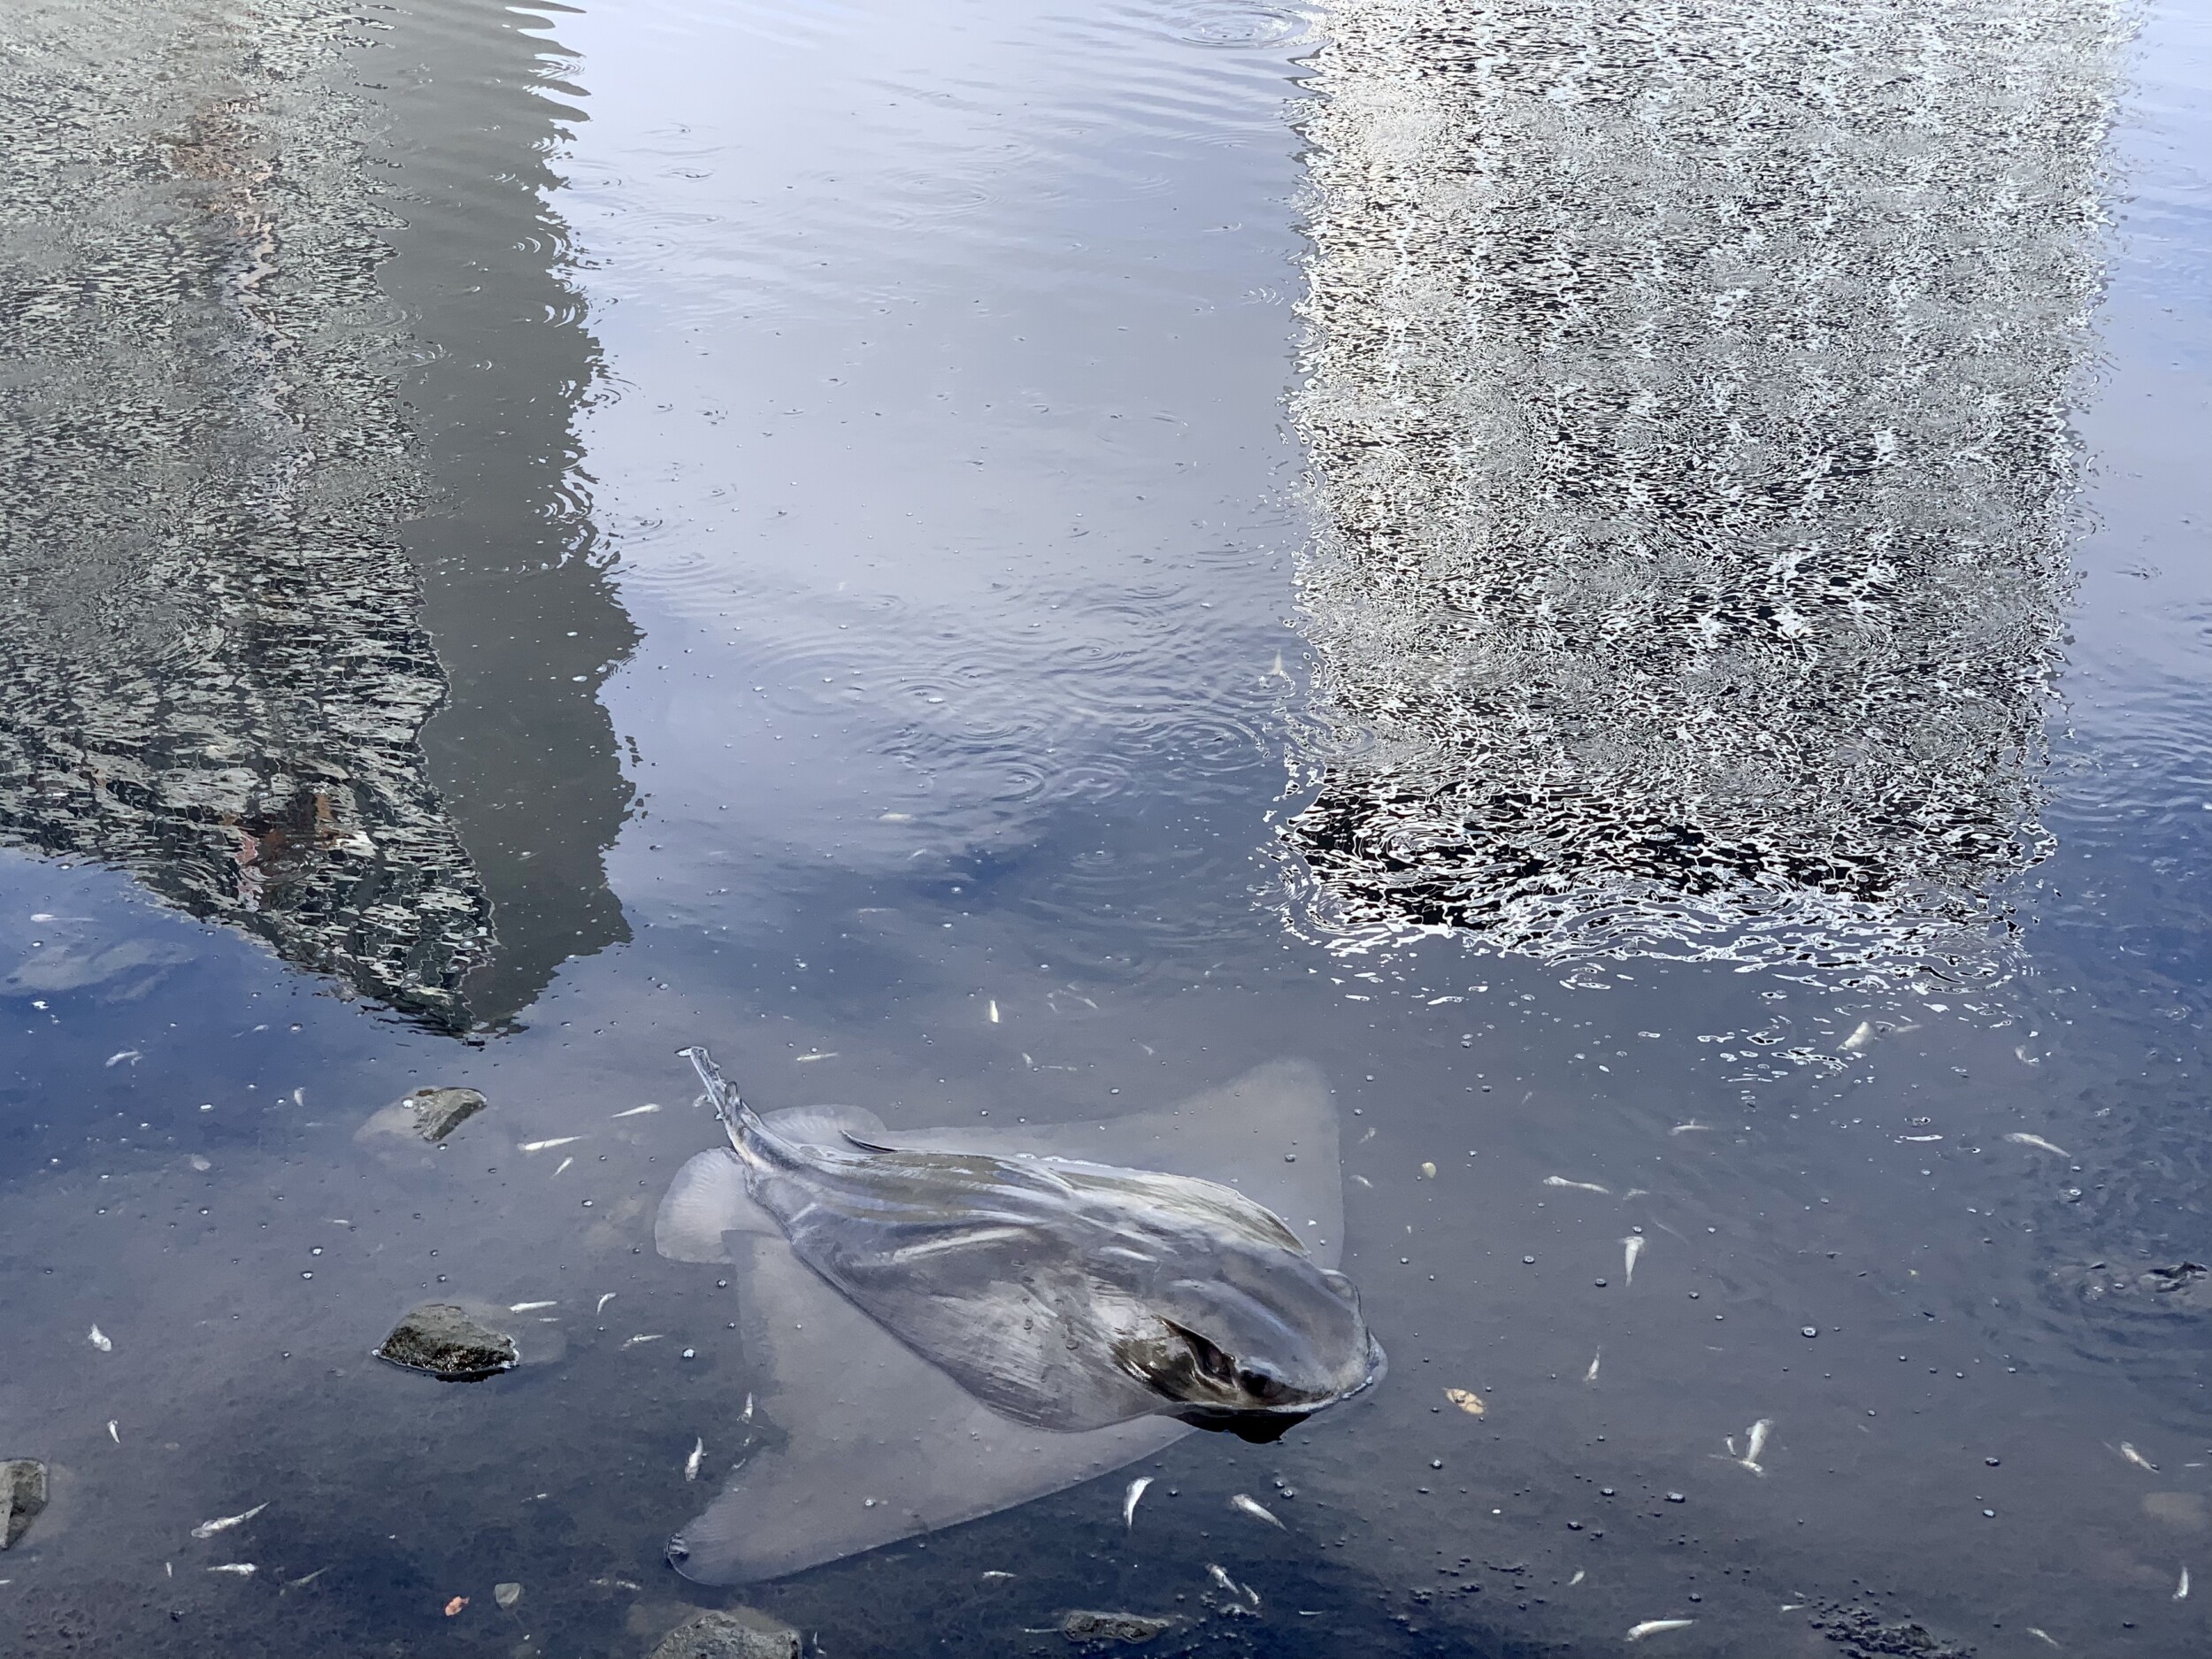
(1082,1625)
(738,1634)
(450,1343)
(22,1495)
(427,1113)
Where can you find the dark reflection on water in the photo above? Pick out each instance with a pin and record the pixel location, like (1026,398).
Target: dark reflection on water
(1688,422)
(217,670)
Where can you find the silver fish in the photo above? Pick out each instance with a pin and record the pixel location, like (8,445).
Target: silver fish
(1632,1246)
(207,1529)
(1655,1626)
(1065,1294)
(698,1456)
(243,1569)
(1244,1505)
(1579,1187)
(1129,1501)
(2018,1138)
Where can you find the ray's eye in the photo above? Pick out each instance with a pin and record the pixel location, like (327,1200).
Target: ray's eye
(1213,1364)
(1260,1384)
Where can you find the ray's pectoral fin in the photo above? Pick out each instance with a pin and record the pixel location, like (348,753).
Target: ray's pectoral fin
(706,1200)
(878,1444)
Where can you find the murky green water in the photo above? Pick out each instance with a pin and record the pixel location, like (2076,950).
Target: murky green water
(1629,583)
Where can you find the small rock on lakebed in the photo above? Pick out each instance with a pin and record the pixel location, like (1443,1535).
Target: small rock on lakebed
(430,1114)
(449,1343)
(1083,1625)
(739,1635)
(22,1495)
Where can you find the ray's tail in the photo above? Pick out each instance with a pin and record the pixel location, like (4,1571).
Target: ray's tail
(728,1106)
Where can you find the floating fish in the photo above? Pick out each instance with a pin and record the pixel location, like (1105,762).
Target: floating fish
(1467,1400)
(298,1584)
(639,1111)
(905,1318)
(1428,1171)
(1863,1038)
(653,1336)
(1632,1246)
(2137,1458)
(207,1529)
(994,1013)
(994,1575)
(240,1568)
(2020,1139)
(1244,1505)
(131,1054)
(809,1059)
(1655,1626)
(529,1307)
(1684,1129)
(1579,1187)
(113,1433)
(546,1146)
(2043,1635)
(562,1165)
(2181,1590)
(100,1339)
(1579,1576)
(604,1300)
(1755,1442)
(1220,1578)
(1129,1499)
(698,1456)
(1592,1374)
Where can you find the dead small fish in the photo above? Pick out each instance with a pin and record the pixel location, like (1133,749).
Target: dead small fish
(1684,1129)
(113,1433)
(1579,1187)
(1863,1038)
(300,1584)
(651,1336)
(238,1569)
(1632,1246)
(1244,1505)
(698,1456)
(1656,1626)
(1129,1499)
(1428,1171)
(1592,1374)
(994,1013)
(2043,1635)
(546,1146)
(1226,1583)
(562,1165)
(1917,1139)
(2018,1138)
(2137,1458)
(529,1307)
(207,1529)
(100,1339)
(1363,1181)
(2181,1590)
(1467,1400)
(604,1300)
(807,1059)
(131,1054)
(639,1111)
(1755,1442)
(1577,1579)
(994,1575)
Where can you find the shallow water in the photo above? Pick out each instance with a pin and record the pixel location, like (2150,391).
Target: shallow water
(873,537)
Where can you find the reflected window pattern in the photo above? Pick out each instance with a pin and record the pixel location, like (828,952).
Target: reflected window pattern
(1686,403)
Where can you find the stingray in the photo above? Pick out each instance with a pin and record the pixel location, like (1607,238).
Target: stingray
(938,1326)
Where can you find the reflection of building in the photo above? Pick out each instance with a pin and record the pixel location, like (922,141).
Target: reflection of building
(214,665)
(1687,418)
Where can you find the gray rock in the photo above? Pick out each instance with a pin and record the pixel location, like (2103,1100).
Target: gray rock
(439,1111)
(738,1633)
(449,1343)
(22,1495)
(1132,1627)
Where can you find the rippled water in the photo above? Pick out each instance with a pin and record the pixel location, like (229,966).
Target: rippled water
(1629,583)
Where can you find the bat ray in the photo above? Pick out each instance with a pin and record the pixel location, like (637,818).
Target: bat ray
(870,1440)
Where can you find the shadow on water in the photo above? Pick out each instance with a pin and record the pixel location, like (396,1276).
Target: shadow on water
(217,668)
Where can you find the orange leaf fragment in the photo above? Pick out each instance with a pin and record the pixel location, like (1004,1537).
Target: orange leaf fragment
(455,1605)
